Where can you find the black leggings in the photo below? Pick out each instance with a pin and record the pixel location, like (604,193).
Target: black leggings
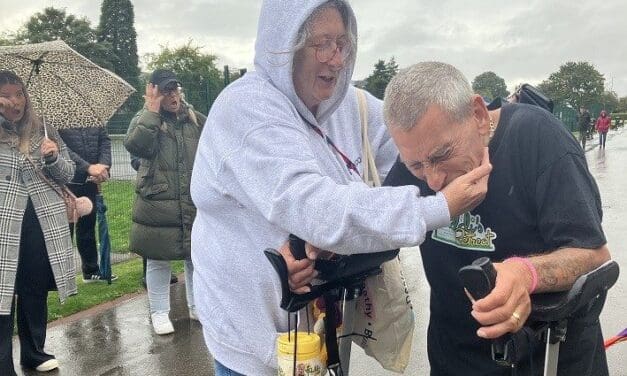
(33,281)
(602,138)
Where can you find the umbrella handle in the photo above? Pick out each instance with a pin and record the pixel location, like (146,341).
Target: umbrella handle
(45,128)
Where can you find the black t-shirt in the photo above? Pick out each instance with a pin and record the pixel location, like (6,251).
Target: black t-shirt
(541,197)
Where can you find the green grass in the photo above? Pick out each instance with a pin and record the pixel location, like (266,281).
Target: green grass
(119,196)
(89,295)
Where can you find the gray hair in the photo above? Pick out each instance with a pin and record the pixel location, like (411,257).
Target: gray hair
(304,33)
(410,93)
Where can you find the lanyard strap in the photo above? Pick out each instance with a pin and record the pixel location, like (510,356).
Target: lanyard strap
(349,164)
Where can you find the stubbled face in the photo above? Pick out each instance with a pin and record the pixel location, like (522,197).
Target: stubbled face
(13,102)
(171,101)
(438,150)
(315,81)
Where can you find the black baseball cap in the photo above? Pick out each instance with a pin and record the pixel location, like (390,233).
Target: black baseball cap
(163,77)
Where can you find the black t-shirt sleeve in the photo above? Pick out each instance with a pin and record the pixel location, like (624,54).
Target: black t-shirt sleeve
(548,164)
(569,205)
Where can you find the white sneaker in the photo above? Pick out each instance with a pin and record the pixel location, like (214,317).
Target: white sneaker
(161,323)
(192,314)
(48,365)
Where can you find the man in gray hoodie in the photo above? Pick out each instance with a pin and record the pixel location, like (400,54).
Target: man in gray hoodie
(280,154)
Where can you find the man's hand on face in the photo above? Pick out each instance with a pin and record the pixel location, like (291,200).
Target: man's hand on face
(467,191)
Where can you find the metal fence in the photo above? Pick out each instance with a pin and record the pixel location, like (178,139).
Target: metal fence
(119,193)
(121,160)
(570,116)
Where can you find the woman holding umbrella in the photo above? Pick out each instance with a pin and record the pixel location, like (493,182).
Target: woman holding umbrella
(36,248)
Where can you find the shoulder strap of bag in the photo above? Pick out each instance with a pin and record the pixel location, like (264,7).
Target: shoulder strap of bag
(370,174)
(61,191)
(68,197)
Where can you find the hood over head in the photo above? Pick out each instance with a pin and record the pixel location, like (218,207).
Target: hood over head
(277,34)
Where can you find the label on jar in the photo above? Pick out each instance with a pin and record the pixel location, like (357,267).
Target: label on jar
(309,367)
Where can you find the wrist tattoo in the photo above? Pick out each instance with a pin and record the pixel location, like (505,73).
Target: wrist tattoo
(562,273)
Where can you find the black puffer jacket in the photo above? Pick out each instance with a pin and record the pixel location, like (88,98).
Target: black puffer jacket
(87,145)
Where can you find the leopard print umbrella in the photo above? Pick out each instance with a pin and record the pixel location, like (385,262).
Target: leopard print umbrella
(66,88)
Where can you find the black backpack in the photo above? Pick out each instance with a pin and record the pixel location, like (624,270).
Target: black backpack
(525,93)
(531,95)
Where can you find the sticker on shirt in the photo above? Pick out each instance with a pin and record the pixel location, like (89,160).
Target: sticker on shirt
(466,232)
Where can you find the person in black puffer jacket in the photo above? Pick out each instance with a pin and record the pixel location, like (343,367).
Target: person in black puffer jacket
(90,149)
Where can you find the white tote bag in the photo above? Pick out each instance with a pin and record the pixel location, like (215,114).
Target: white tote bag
(384,319)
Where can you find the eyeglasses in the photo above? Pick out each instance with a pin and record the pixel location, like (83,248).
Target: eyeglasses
(326,50)
(169,91)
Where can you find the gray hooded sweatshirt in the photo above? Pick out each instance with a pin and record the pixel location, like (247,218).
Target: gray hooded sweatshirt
(262,172)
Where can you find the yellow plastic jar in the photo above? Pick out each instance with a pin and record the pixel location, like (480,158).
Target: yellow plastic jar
(309,360)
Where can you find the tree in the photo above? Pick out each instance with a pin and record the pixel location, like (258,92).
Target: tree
(7,39)
(576,84)
(622,105)
(53,24)
(380,77)
(117,28)
(609,101)
(201,80)
(490,85)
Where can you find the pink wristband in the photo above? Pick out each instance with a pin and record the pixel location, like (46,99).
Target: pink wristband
(532,270)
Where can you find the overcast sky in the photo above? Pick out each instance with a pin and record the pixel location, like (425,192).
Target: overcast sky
(521,41)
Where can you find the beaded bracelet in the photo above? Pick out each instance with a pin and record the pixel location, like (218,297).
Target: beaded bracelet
(532,270)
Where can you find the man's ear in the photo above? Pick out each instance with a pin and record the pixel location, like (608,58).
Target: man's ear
(480,113)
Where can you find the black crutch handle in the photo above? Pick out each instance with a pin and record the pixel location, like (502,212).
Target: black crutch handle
(479,278)
(297,247)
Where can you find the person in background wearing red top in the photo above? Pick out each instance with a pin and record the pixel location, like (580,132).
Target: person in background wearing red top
(602,126)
